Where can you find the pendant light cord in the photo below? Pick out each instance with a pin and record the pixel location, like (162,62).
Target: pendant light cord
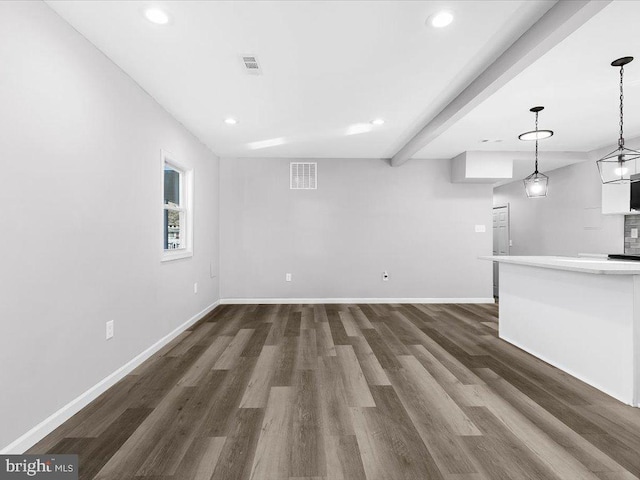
(621,140)
(536,143)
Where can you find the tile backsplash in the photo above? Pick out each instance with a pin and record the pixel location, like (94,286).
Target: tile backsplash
(631,245)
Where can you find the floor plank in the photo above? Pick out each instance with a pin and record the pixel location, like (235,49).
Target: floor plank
(272,453)
(349,392)
(232,353)
(257,391)
(355,384)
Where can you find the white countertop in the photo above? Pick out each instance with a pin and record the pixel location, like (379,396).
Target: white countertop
(574,264)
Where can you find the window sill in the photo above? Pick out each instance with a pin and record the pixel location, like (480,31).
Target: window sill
(169,256)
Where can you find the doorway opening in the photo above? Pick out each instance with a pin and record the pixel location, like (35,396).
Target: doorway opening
(500,240)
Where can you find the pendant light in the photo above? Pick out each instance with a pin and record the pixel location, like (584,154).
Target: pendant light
(619,165)
(535,185)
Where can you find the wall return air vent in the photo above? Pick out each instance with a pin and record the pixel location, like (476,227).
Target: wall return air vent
(303,176)
(251,65)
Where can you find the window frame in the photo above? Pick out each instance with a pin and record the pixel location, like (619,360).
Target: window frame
(186,208)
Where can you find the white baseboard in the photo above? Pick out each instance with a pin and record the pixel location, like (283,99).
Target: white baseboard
(296,301)
(48,425)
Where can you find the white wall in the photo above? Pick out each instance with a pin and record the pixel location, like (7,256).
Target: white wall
(81,217)
(568,221)
(364,218)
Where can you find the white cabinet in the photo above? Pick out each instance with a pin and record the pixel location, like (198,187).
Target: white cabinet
(616,199)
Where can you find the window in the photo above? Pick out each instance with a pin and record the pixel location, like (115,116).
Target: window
(177,209)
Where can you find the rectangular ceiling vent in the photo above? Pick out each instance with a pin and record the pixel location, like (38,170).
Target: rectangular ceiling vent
(251,65)
(304,176)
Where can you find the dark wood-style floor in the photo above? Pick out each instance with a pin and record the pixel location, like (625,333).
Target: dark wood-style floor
(283,392)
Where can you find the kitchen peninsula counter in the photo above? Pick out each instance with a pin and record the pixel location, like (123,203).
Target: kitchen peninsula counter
(581,315)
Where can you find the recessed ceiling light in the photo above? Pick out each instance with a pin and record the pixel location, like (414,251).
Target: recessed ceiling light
(377,121)
(157,16)
(441,19)
(230,121)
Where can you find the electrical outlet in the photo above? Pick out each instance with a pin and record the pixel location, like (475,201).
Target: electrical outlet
(385,276)
(195,287)
(634,233)
(511,243)
(110,330)
(287,277)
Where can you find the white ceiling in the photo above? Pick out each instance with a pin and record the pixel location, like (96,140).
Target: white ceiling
(328,65)
(576,84)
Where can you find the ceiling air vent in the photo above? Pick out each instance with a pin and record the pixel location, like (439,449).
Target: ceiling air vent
(303,176)
(251,65)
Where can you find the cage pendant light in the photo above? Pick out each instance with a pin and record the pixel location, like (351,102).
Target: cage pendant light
(619,165)
(536,184)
